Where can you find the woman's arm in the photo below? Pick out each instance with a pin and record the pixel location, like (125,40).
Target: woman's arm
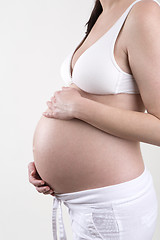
(132,125)
(143,46)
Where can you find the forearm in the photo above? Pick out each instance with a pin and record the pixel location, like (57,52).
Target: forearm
(132,125)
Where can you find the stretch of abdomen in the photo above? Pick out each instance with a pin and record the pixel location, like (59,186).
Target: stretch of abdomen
(73,155)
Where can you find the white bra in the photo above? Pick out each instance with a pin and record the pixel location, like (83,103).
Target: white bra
(96,70)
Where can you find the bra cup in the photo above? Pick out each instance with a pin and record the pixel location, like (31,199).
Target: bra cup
(94,71)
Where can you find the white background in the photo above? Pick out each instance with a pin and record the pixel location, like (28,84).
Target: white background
(35,37)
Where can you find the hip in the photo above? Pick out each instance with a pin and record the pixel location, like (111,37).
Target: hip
(123,211)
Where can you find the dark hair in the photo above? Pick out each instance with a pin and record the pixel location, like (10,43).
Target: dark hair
(97,10)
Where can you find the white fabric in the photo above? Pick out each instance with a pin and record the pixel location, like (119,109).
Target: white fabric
(96,70)
(124,211)
(57,203)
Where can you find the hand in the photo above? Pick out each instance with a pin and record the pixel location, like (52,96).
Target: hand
(62,104)
(36,180)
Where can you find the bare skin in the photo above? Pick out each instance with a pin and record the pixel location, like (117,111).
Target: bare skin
(130,151)
(36,180)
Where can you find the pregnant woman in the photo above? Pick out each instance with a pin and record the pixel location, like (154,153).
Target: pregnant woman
(86,145)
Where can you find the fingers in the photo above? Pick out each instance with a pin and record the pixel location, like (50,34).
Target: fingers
(49,114)
(32,172)
(31,167)
(34,181)
(51,192)
(38,183)
(49,104)
(45,190)
(53,99)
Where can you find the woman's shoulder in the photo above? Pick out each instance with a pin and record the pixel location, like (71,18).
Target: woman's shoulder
(144,12)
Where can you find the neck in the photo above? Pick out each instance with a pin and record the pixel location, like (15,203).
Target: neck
(107,5)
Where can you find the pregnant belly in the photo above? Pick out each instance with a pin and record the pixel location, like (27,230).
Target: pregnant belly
(71,155)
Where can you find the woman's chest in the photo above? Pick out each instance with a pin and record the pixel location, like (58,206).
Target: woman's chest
(119,51)
(101,67)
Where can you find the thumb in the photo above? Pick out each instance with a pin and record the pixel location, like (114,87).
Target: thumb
(31,168)
(32,172)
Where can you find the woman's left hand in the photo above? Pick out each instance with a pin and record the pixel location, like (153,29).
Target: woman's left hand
(62,104)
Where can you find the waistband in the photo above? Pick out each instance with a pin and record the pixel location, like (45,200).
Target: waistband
(117,193)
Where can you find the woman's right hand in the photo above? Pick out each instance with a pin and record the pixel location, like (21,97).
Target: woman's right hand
(35,179)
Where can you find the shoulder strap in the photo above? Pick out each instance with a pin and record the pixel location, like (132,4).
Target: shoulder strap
(122,19)
(157,2)
(118,27)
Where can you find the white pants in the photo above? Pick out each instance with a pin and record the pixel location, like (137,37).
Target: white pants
(125,211)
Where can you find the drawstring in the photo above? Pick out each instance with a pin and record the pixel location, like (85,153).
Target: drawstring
(62,233)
